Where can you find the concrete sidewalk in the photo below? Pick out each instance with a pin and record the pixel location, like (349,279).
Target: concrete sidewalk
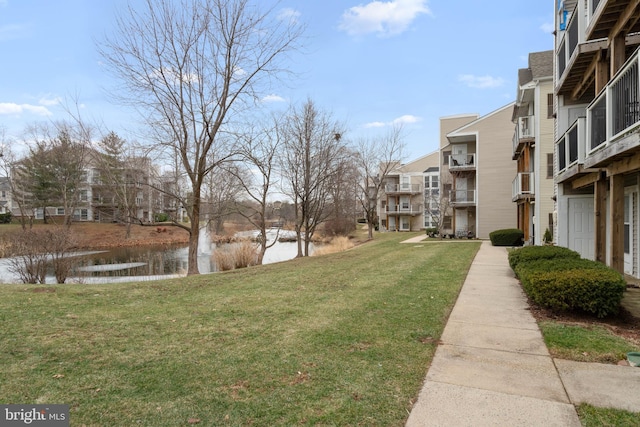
(492,367)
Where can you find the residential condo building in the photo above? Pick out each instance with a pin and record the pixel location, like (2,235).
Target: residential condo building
(476,172)
(533,144)
(597,83)
(408,201)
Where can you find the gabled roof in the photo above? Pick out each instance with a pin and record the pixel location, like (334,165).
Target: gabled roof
(463,133)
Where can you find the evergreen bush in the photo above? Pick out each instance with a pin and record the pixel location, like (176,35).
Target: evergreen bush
(507,237)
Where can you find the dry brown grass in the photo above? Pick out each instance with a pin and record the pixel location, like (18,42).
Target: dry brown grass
(235,255)
(337,244)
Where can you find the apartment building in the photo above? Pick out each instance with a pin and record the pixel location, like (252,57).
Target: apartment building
(409,197)
(597,140)
(476,159)
(533,145)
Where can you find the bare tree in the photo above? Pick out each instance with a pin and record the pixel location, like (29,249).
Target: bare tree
(437,205)
(312,147)
(376,159)
(191,66)
(10,167)
(257,177)
(53,173)
(222,189)
(119,181)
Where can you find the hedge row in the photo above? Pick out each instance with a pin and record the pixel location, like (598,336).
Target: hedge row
(507,237)
(566,281)
(532,253)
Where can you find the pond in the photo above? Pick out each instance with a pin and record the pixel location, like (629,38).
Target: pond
(151,262)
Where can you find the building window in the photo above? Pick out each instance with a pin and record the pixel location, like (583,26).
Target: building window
(445,157)
(447,223)
(60,211)
(549,106)
(549,165)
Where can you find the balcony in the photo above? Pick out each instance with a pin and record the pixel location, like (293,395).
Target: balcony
(613,118)
(462,162)
(571,149)
(523,186)
(403,189)
(460,198)
(404,209)
(524,132)
(604,14)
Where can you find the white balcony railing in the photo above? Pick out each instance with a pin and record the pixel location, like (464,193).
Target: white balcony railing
(525,129)
(572,35)
(616,111)
(410,209)
(523,185)
(463,161)
(462,197)
(403,188)
(571,147)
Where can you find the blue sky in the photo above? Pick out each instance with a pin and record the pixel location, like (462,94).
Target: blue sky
(371,64)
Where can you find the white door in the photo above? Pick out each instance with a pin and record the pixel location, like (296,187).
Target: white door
(628,233)
(581,236)
(462,222)
(460,153)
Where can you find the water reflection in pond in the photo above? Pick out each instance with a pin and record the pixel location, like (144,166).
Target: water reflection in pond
(151,262)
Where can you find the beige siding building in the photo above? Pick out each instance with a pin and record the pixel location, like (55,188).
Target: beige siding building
(533,144)
(476,155)
(407,193)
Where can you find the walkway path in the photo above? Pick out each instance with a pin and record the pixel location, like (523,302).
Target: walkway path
(492,367)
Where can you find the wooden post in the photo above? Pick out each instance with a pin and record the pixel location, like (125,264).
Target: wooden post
(600,226)
(616,216)
(602,73)
(617,52)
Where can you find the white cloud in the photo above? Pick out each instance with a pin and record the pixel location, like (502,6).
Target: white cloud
(375,125)
(289,14)
(402,120)
(273,98)
(384,18)
(406,119)
(8,108)
(481,82)
(49,100)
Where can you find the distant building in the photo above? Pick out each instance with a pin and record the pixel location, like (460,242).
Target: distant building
(476,170)
(407,194)
(533,144)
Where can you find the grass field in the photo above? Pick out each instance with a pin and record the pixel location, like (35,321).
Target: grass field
(341,339)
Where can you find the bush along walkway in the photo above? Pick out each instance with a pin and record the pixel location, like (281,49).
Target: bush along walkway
(493,368)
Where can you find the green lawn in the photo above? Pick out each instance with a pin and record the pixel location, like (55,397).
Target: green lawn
(341,339)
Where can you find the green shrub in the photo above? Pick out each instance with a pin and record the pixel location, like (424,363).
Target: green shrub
(161,217)
(5,218)
(507,237)
(572,284)
(532,253)
(431,232)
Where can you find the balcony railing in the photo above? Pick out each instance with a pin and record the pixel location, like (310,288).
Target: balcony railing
(462,197)
(571,37)
(415,209)
(525,130)
(403,188)
(523,185)
(616,111)
(462,161)
(571,147)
